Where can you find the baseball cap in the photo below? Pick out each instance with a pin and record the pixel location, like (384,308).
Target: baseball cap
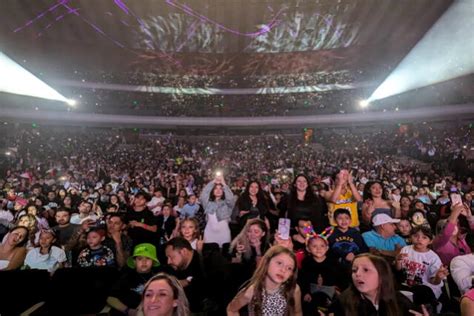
(143,250)
(381,219)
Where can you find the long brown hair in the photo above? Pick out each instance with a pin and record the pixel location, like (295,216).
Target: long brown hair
(259,276)
(351,297)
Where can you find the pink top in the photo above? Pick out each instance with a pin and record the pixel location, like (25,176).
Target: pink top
(446,249)
(469,294)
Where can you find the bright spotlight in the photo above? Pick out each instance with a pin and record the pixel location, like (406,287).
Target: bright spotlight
(444,53)
(364,103)
(8,153)
(17,80)
(71,102)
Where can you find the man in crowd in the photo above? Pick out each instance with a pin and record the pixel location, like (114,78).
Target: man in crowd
(120,243)
(187,267)
(383,240)
(142,225)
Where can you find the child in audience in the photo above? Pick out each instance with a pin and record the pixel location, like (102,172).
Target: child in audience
(190,208)
(126,294)
(346,242)
(96,255)
(372,291)
(404,230)
(189,230)
(422,267)
(272,290)
(319,276)
(46,256)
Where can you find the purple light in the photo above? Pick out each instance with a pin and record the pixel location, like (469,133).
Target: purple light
(193,29)
(122,6)
(39,16)
(203,18)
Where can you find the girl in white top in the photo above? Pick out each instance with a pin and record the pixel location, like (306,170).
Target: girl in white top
(46,256)
(421,265)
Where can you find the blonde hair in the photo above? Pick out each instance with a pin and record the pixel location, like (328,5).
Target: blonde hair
(182,309)
(242,238)
(197,233)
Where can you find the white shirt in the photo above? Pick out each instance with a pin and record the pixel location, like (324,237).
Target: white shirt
(35,260)
(420,267)
(154,201)
(462,270)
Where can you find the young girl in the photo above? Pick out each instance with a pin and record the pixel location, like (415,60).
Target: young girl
(189,230)
(319,275)
(404,229)
(46,256)
(372,291)
(422,267)
(272,290)
(96,255)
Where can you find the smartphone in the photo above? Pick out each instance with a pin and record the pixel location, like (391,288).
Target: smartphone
(284,228)
(455,199)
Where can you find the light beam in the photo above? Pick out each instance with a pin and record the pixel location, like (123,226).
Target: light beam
(445,52)
(17,80)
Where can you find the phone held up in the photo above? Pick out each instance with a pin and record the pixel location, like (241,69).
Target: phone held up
(284,228)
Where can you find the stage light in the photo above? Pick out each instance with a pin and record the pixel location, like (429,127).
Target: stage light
(364,103)
(8,153)
(17,80)
(71,102)
(444,53)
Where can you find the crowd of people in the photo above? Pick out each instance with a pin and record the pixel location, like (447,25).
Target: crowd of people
(374,221)
(210,104)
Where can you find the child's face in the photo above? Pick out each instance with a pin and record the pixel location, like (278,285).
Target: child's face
(188,229)
(192,199)
(24,221)
(94,239)
(46,240)
(301,227)
(317,247)
(143,264)
(343,221)
(404,227)
(365,276)
(420,241)
(280,268)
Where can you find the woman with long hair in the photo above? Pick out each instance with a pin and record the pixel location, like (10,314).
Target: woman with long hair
(163,295)
(272,290)
(303,203)
(218,201)
(376,201)
(251,243)
(252,203)
(13,251)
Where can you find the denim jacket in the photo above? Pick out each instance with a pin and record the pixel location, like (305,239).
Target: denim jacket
(222,208)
